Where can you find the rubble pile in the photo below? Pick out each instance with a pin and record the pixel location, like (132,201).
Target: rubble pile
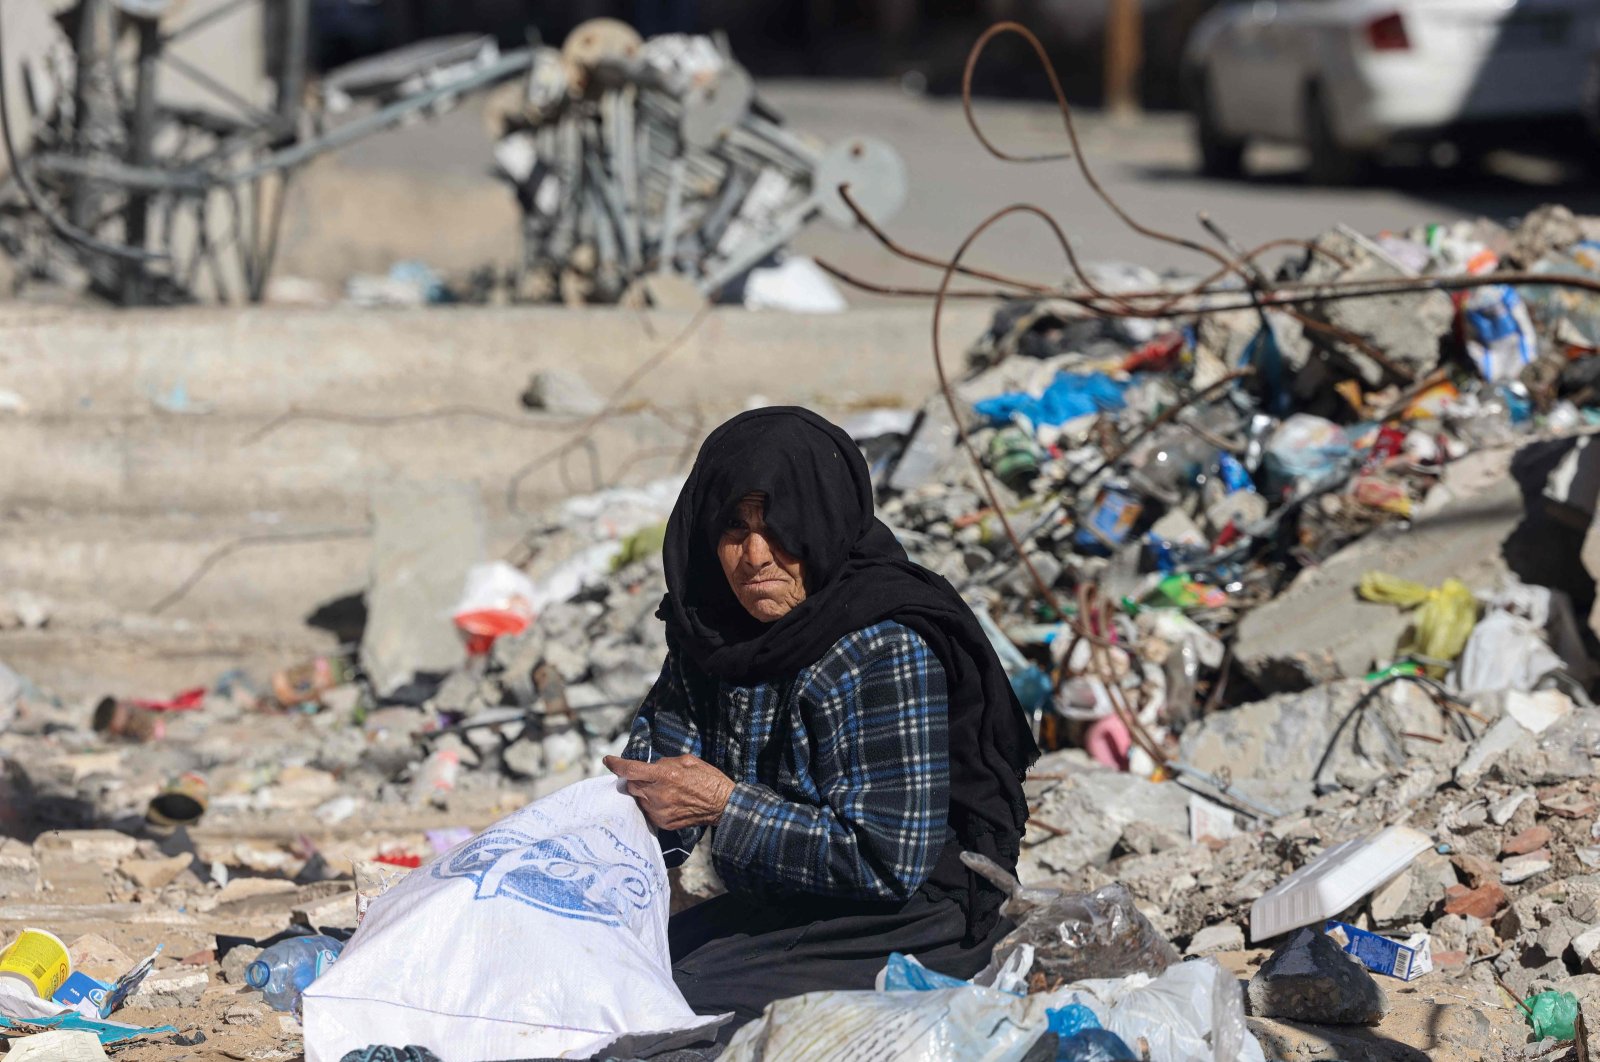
(1300,603)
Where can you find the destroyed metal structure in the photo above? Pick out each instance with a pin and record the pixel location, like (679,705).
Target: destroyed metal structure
(150,146)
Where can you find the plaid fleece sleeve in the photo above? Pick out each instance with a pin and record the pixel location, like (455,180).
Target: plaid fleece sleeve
(664,727)
(870,825)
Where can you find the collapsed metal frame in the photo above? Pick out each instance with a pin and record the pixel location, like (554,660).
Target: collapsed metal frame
(113,206)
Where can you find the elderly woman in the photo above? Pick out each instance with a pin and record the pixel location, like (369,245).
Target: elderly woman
(831,714)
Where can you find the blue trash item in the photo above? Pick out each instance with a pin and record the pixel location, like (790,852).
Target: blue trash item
(1094,1045)
(1500,335)
(1071,1020)
(1032,687)
(288,967)
(1069,396)
(1233,474)
(903,974)
(1265,355)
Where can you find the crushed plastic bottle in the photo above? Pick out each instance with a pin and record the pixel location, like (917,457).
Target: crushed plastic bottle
(288,967)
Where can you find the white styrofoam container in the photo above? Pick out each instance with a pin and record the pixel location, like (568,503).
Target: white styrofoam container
(1334,880)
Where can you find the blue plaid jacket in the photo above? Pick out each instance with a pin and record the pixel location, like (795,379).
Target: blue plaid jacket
(841,774)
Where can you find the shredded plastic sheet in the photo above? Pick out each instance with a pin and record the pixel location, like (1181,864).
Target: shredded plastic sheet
(1076,935)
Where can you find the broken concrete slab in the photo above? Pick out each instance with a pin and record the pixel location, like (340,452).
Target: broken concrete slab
(1283,738)
(1415,892)
(179,986)
(154,873)
(1318,630)
(1407,327)
(1089,809)
(103,847)
(425,536)
(1309,978)
(237,960)
(1214,939)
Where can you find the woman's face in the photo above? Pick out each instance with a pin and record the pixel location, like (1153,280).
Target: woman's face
(767,580)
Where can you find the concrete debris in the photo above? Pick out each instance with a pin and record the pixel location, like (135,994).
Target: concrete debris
(180,986)
(1213,939)
(1257,621)
(562,392)
(425,537)
(1308,978)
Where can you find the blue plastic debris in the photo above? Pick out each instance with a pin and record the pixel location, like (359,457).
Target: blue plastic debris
(1069,396)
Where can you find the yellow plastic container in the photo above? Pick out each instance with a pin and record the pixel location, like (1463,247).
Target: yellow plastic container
(39,960)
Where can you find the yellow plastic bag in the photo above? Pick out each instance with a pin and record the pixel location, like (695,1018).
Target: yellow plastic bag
(1442,624)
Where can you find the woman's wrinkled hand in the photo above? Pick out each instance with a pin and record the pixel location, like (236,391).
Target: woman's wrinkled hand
(676,792)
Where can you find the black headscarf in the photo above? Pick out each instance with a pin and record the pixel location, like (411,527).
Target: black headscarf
(819,508)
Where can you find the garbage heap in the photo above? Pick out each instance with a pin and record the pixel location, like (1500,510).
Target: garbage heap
(1301,603)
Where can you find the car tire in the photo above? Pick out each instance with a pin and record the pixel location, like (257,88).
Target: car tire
(1329,162)
(1220,155)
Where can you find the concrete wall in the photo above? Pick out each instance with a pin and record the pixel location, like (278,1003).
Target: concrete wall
(153,442)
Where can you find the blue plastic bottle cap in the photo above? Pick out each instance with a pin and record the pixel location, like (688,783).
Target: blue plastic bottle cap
(257,974)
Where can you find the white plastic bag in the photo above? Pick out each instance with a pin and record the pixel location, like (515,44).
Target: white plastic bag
(543,936)
(969,1024)
(1193,1012)
(1504,652)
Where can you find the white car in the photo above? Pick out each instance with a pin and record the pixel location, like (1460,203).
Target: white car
(1346,78)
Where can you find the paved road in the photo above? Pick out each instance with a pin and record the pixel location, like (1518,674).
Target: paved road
(1148,166)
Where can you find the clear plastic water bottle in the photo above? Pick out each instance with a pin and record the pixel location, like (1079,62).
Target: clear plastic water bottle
(288,967)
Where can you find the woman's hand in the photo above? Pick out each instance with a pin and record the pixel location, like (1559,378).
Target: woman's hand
(676,792)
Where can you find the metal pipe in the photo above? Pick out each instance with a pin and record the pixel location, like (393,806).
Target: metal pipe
(141,153)
(292,70)
(506,67)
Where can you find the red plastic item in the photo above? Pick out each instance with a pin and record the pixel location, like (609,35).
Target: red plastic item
(1388,34)
(482,627)
(399,859)
(1391,443)
(1155,355)
(187,701)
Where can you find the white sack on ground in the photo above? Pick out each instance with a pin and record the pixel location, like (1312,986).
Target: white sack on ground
(543,936)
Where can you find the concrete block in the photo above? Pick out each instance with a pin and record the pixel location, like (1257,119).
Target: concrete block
(238,958)
(332,912)
(154,873)
(98,957)
(104,847)
(425,537)
(180,986)
(19,869)
(1214,939)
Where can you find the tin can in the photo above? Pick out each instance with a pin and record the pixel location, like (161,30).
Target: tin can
(39,960)
(181,803)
